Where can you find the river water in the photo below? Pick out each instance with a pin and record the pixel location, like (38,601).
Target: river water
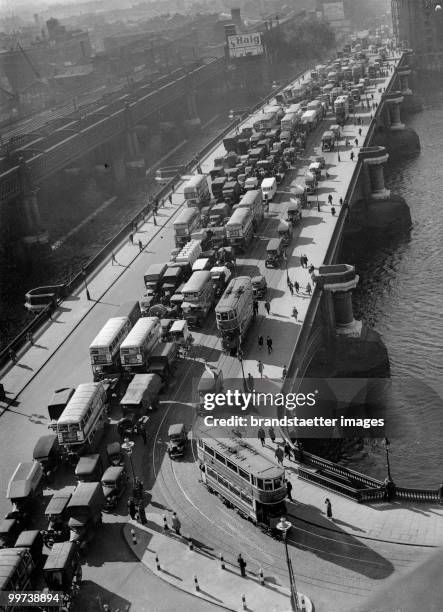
(400,295)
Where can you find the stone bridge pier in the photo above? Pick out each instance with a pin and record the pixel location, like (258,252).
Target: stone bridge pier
(373,205)
(391,132)
(354,349)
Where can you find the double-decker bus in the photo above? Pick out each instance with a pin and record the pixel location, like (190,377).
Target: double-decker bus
(241,476)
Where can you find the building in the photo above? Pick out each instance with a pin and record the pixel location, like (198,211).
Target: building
(419,26)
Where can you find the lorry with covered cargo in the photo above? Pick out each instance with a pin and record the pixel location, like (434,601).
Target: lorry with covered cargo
(141,394)
(231,193)
(161,361)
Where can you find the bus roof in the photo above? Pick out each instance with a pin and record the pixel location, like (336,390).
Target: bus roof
(233,293)
(194,181)
(197,281)
(238,216)
(79,403)
(186,215)
(240,452)
(138,333)
(108,332)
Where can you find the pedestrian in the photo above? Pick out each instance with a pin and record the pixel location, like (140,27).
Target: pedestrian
(372,96)
(143,435)
(131,238)
(271,434)
(359,132)
(113,260)
(141,512)
(326,174)
(295,313)
(305,261)
(440,494)
(356,142)
(333,211)
(131,508)
(30,338)
(255,307)
(13,355)
(287,451)
(242,564)
(268,307)
(352,155)
(260,343)
(261,435)
(140,246)
(347,142)
(296,287)
(289,490)
(269,344)
(330,199)
(311,269)
(291,287)
(279,455)
(338,157)
(250,382)
(340,201)
(308,289)
(328,508)
(154,219)
(170,198)
(176,525)
(260,368)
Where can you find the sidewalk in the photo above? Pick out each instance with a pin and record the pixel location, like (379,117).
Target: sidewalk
(180,566)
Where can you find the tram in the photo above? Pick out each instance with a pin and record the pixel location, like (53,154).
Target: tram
(242,477)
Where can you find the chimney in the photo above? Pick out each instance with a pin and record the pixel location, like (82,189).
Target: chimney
(236,17)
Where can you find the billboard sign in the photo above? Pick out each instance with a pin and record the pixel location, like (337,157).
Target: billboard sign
(333,11)
(243,45)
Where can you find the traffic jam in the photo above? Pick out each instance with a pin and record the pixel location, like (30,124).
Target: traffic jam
(134,356)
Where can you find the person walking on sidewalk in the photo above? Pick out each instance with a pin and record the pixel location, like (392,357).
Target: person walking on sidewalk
(131,508)
(242,565)
(289,490)
(30,338)
(284,372)
(170,198)
(267,307)
(308,289)
(269,344)
(140,246)
(328,508)
(279,455)
(332,211)
(352,156)
(359,132)
(260,343)
(260,368)
(271,434)
(291,287)
(113,260)
(255,307)
(176,525)
(295,313)
(296,287)
(311,269)
(131,238)
(261,435)
(330,199)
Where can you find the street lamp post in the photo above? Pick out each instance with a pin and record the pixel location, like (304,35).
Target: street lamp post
(127,446)
(284,526)
(388,466)
(88,296)
(240,358)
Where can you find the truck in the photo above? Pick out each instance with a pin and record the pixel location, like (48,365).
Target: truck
(218,214)
(253,199)
(161,361)
(221,276)
(230,144)
(234,313)
(288,122)
(196,191)
(138,344)
(231,192)
(240,228)
(141,394)
(153,277)
(85,512)
(217,187)
(187,256)
(328,141)
(187,221)
(172,279)
(266,121)
(198,298)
